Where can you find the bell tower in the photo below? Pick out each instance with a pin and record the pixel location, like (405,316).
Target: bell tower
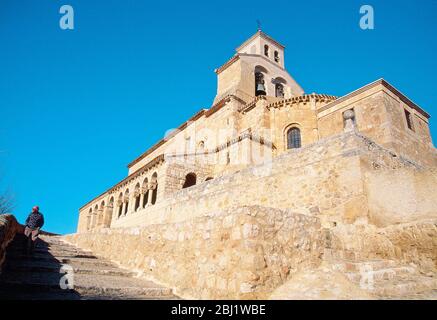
(257,68)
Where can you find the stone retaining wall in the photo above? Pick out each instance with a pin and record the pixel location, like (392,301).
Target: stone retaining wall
(237,253)
(413,242)
(345,178)
(8,228)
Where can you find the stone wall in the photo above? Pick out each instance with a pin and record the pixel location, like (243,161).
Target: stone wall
(242,235)
(250,252)
(338,179)
(402,195)
(8,228)
(237,253)
(412,242)
(320,178)
(380,115)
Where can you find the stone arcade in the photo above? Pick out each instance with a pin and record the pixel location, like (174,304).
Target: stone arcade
(214,208)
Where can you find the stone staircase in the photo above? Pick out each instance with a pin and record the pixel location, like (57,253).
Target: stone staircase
(387,279)
(54,262)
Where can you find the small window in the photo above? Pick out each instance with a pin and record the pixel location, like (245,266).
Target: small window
(276,56)
(266,50)
(279,90)
(190,180)
(409,119)
(294,140)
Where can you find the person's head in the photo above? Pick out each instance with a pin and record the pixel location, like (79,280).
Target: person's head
(35,209)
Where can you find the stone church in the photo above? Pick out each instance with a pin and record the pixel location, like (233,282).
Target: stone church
(271,187)
(259,113)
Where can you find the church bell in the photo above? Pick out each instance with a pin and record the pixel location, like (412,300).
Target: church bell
(260,89)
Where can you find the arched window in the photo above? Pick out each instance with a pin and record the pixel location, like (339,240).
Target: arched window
(154,186)
(120,205)
(279,86)
(294,140)
(190,180)
(260,88)
(266,50)
(126,200)
(137,195)
(101,213)
(109,213)
(279,90)
(276,56)
(146,192)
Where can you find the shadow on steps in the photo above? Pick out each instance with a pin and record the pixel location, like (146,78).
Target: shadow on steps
(55,262)
(40,276)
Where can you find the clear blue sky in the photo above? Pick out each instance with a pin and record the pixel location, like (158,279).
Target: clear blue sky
(77,106)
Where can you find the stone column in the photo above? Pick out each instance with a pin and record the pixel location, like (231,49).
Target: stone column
(107,216)
(123,208)
(144,189)
(100,218)
(134,201)
(93,220)
(88,222)
(117,209)
(131,207)
(140,206)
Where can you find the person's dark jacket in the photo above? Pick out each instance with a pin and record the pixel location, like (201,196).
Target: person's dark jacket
(35,220)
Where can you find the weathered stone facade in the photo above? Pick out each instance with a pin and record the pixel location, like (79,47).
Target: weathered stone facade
(270,182)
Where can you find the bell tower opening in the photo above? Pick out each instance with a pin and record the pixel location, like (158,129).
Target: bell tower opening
(260,87)
(251,72)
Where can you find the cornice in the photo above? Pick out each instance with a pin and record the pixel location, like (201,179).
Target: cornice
(369,86)
(306,98)
(162,158)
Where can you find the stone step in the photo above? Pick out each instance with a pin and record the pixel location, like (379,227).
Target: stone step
(34,293)
(88,263)
(39,277)
(84,284)
(17,252)
(46,247)
(44,280)
(39,266)
(127,297)
(112,285)
(35,257)
(19,255)
(37,293)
